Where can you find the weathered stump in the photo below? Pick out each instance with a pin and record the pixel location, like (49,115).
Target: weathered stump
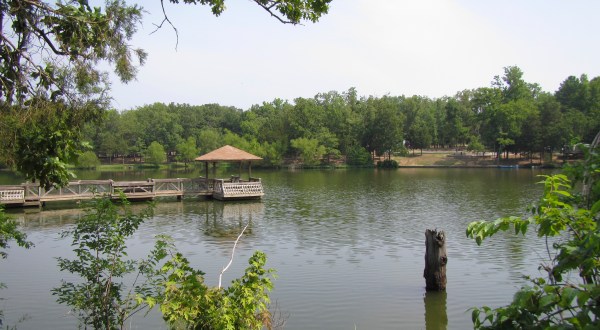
(435,260)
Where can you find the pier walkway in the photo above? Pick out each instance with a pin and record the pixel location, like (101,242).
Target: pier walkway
(31,194)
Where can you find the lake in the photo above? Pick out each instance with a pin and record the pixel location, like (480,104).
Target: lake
(348,246)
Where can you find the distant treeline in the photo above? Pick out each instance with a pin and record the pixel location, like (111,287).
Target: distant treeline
(511,115)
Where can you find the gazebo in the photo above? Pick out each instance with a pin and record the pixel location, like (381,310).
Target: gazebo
(234,187)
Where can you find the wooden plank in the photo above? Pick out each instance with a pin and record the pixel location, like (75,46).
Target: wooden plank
(132,184)
(33,194)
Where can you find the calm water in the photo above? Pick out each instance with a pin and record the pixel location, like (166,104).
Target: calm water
(348,246)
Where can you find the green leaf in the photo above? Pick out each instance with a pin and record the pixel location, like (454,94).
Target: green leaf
(595,208)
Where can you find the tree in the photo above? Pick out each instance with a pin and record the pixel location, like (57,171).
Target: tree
(100,299)
(188,301)
(286,11)
(56,52)
(45,139)
(9,232)
(310,150)
(475,145)
(155,154)
(382,131)
(88,160)
(209,139)
(49,60)
(187,150)
(558,300)
(358,155)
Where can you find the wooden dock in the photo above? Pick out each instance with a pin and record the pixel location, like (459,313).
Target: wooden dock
(31,194)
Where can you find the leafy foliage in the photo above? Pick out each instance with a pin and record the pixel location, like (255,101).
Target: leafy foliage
(56,52)
(155,154)
(41,140)
(9,232)
(388,163)
(100,299)
(88,160)
(358,155)
(555,301)
(286,11)
(187,150)
(310,150)
(73,37)
(189,301)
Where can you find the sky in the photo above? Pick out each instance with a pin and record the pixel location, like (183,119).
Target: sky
(431,48)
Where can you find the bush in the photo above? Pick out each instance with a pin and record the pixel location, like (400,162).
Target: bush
(388,163)
(155,154)
(88,160)
(568,295)
(358,155)
(402,152)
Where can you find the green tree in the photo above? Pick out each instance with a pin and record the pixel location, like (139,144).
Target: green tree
(47,138)
(340,120)
(155,154)
(558,300)
(77,41)
(73,38)
(101,299)
(420,134)
(88,159)
(382,131)
(310,150)
(475,145)
(209,139)
(188,301)
(187,150)
(9,232)
(359,156)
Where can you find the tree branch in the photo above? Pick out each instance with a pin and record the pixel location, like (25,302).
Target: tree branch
(268,9)
(166,19)
(232,253)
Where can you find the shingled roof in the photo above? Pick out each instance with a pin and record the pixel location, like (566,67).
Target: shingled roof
(227,154)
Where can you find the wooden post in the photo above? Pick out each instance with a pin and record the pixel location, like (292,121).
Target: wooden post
(435,260)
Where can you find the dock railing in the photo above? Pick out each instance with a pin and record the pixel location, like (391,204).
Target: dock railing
(31,194)
(232,189)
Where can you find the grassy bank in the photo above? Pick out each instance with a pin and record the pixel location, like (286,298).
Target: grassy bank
(464,159)
(429,158)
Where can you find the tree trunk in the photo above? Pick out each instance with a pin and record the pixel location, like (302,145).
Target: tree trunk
(435,260)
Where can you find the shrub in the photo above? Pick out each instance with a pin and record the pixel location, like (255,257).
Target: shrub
(88,160)
(388,163)
(358,155)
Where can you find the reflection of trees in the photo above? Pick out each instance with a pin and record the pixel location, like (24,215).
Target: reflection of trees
(227,219)
(436,317)
(221,219)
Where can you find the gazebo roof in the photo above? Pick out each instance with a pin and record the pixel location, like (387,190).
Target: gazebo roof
(227,154)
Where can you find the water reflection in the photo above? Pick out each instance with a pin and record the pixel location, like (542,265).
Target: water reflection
(347,246)
(227,219)
(436,317)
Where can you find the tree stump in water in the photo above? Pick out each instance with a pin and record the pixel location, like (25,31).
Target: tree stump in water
(435,260)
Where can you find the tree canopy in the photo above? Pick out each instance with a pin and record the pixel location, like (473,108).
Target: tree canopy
(343,125)
(53,54)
